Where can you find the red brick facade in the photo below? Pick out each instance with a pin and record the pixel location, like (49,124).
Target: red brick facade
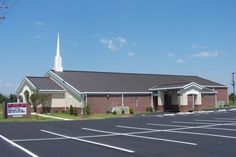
(208,100)
(102,103)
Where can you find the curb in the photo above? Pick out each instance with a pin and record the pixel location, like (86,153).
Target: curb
(53,117)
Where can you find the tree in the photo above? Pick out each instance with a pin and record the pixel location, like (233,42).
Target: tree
(12,98)
(34,98)
(231,97)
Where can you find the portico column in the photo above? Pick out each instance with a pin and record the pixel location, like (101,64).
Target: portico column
(183,102)
(161,101)
(198,103)
(122,100)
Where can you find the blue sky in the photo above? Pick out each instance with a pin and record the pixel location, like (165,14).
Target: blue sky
(189,37)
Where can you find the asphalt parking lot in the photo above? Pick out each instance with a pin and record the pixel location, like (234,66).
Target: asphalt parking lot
(200,134)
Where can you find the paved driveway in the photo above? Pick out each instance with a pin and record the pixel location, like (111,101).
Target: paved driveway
(201,134)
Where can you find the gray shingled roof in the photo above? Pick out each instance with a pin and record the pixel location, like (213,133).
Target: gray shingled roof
(86,81)
(44,83)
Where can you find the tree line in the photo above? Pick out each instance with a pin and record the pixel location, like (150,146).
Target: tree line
(8,98)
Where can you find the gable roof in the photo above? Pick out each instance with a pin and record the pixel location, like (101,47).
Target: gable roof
(43,83)
(87,81)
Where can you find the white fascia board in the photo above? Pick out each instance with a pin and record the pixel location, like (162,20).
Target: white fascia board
(30,83)
(155,89)
(207,86)
(209,92)
(52,90)
(117,93)
(193,84)
(63,81)
(22,83)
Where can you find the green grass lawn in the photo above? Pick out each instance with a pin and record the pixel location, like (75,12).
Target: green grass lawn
(88,117)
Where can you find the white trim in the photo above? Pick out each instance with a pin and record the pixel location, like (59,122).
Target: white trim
(46,90)
(22,83)
(63,81)
(154,89)
(207,86)
(117,93)
(193,84)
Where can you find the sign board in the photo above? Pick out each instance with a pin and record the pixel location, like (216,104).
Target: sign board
(16,109)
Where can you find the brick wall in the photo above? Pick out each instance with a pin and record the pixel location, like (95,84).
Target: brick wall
(222,94)
(208,100)
(102,103)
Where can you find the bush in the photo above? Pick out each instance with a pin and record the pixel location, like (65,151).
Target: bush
(107,111)
(123,111)
(149,109)
(71,110)
(86,109)
(114,112)
(131,111)
(75,111)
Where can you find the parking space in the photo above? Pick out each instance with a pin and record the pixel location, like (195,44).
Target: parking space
(197,134)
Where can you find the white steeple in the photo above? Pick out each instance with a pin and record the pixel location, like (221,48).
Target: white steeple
(58,60)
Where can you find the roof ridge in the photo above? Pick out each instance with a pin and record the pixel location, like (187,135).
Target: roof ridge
(130,73)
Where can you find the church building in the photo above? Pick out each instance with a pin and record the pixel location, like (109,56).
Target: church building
(104,90)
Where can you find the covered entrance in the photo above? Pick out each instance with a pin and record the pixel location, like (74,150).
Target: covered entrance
(177,97)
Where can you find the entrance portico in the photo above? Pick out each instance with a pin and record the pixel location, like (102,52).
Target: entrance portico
(178,97)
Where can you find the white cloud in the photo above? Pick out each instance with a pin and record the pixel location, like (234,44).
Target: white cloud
(180,61)
(206,54)
(122,41)
(131,54)
(170,55)
(7,84)
(39,23)
(114,43)
(38,36)
(195,46)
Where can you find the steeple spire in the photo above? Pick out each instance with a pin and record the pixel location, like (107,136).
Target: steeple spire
(58,60)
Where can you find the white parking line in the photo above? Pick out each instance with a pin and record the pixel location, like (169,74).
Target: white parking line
(202,134)
(177,130)
(226,118)
(216,121)
(209,128)
(183,122)
(167,125)
(58,138)
(132,134)
(18,146)
(91,142)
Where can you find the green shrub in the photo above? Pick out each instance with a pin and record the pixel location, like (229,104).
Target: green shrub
(86,109)
(107,111)
(123,111)
(131,111)
(71,110)
(75,111)
(150,109)
(147,109)
(114,112)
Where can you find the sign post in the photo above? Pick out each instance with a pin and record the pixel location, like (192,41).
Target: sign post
(16,110)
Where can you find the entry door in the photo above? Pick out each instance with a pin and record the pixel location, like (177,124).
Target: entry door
(168,102)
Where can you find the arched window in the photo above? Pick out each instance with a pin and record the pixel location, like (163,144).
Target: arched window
(20,98)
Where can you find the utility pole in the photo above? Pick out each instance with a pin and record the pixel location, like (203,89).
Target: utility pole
(233,84)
